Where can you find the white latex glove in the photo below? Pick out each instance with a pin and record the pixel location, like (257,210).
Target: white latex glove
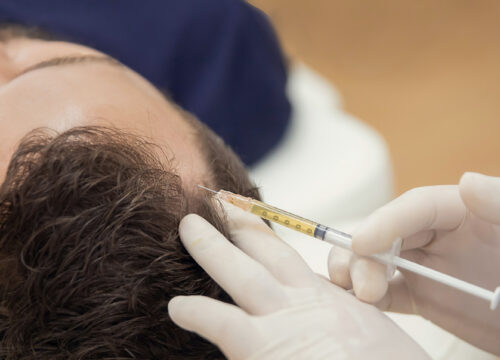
(453,229)
(286,311)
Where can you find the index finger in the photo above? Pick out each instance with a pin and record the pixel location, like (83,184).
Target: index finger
(249,283)
(425,208)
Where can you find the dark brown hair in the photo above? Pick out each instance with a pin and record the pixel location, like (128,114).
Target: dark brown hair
(89,246)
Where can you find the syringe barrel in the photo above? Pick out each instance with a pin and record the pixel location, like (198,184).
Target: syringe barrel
(333,237)
(284,218)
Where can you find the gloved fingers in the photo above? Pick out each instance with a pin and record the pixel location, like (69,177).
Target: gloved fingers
(481,194)
(418,240)
(427,208)
(339,260)
(369,279)
(248,282)
(414,255)
(398,297)
(257,240)
(225,325)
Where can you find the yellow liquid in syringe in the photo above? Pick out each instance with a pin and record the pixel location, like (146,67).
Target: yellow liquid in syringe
(305,226)
(270,213)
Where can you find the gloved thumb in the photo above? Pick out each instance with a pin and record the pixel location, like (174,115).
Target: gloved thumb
(481,195)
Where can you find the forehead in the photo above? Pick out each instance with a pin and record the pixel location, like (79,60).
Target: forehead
(96,93)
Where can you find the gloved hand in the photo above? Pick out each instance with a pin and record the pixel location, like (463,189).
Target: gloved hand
(453,229)
(286,311)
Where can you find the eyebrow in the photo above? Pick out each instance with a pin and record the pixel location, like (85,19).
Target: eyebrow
(71,60)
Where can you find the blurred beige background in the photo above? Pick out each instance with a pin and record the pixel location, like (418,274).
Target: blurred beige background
(425,74)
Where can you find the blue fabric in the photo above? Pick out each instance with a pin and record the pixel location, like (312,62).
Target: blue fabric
(219,59)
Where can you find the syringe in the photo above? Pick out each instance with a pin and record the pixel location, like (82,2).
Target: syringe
(344,240)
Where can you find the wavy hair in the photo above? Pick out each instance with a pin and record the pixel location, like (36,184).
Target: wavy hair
(89,246)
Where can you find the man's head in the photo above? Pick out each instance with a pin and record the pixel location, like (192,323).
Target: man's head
(61,85)
(90,205)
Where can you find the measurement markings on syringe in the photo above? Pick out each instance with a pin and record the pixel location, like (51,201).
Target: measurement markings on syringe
(305,226)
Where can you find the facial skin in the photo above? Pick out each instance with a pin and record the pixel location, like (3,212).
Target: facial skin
(93,91)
